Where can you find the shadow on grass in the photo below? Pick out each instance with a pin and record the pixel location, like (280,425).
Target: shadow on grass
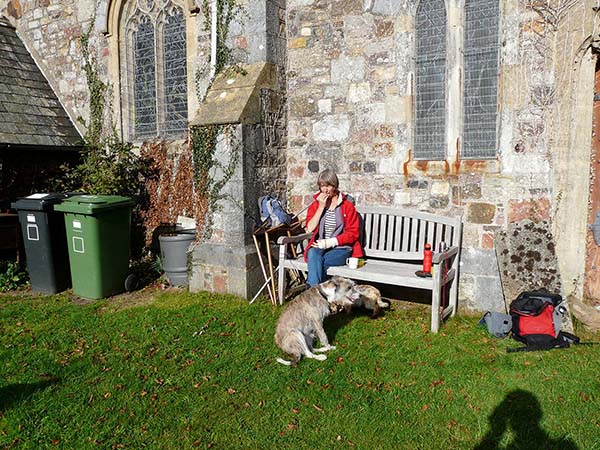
(337,321)
(15,393)
(520,413)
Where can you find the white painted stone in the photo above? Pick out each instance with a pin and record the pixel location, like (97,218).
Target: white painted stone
(402,198)
(440,188)
(85,9)
(63,86)
(347,68)
(305,31)
(386,7)
(324,105)
(294,3)
(371,114)
(332,128)
(388,166)
(37,13)
(359,92)
(397,109)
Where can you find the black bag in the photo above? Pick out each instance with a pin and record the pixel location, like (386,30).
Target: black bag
(536,319)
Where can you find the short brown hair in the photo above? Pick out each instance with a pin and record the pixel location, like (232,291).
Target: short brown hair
(329,178)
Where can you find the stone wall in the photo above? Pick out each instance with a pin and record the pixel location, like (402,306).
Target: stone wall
(348,85)
(350,90)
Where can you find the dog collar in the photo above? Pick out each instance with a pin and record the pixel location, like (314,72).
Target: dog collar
(322,292)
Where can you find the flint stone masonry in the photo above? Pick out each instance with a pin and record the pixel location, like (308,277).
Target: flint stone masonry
(348,91)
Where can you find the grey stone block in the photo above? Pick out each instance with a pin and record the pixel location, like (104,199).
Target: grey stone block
(479,262)
(488,294)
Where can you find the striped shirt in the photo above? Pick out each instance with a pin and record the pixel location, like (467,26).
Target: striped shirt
(330,223)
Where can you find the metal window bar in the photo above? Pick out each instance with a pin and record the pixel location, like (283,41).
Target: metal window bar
(430,81)
(481,61)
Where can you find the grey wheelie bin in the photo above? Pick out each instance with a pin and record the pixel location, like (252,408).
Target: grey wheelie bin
(45,242)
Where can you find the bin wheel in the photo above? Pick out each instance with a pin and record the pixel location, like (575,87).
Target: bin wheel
(131,282)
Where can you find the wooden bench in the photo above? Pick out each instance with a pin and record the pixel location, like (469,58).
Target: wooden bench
(394,240)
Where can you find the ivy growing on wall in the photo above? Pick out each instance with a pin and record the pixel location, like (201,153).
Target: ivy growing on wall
(108,165)
(211,172)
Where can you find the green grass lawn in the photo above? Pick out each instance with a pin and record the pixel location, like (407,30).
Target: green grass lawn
(199,371)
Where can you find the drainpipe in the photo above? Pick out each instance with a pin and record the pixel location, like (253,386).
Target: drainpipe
(213,38)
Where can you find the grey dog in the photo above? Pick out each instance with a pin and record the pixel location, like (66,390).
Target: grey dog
(303,319)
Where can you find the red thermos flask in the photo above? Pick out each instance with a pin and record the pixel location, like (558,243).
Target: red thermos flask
(427,256)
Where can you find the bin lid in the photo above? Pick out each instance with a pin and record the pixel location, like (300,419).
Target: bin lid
(41,201)
(92,204)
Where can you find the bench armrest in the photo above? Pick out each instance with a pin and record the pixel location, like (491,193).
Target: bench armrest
(293,239)
(439,257)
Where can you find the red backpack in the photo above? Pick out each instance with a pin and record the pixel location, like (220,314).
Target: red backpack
(536,319)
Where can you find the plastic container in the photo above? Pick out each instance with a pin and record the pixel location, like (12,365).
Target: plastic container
(44,238)
(173,255)
(98,236)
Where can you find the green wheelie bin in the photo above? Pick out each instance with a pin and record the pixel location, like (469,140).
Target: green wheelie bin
(98,229)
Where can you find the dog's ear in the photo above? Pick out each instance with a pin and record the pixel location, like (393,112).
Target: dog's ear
(329,287)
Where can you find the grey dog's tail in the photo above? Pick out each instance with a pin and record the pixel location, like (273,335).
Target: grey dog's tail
(284,362)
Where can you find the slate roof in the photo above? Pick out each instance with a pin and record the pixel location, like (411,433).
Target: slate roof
(30,113)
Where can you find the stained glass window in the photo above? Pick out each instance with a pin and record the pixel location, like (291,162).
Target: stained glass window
(144,90)
(481,79)
(154,70)
(430,81)
(175,70)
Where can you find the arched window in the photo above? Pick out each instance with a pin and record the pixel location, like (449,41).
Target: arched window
(481,53)
(430,81)
(154,69)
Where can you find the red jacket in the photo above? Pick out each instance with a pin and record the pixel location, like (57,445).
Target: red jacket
(351,226)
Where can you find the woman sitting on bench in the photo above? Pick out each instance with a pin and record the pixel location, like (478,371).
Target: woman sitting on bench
(334,224)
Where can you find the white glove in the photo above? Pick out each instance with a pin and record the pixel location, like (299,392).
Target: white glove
(326,243)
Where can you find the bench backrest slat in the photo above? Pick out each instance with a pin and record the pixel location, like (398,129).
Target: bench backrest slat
(398,234)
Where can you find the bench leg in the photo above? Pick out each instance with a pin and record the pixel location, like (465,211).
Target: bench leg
(435,298)
(281,274)
(454,288)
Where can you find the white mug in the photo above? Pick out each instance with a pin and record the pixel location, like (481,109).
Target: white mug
(352,263)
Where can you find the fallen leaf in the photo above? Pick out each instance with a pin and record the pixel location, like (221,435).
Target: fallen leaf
(107,395)
(292,426)
(318,408)
(310,382)
(340,359)
(424,407)
(295,410)
(436,383)
(231,391)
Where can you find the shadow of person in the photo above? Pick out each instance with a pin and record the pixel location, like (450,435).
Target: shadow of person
(520,414)
(14,393)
